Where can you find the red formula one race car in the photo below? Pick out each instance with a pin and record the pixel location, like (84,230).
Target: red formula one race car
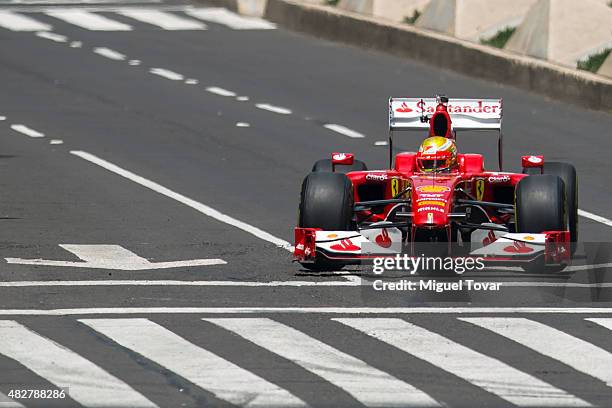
(349,214)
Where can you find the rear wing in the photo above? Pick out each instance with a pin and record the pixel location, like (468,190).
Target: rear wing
(466,114)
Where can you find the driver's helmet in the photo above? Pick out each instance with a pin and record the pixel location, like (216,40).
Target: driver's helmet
(437,154)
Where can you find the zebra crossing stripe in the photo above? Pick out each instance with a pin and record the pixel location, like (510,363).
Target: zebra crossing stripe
(553,343)
(162,19)
(483,371)
(88,20)
(227,18)
(370,386)
(602,321)
(224,379)
(88,384)
(19,22)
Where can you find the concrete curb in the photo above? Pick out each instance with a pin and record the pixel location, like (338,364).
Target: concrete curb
(576,87)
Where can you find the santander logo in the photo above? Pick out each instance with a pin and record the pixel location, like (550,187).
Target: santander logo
(345,245)
(383,239)
(404,108)
(518,248)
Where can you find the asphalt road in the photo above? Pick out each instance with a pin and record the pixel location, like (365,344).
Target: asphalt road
(137,148)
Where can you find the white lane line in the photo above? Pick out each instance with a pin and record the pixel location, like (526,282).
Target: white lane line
(23,129)
(343,130)
(76,44)
(89,384)
(205,369)
(87,20)
(220,91)
(25,284)
(165,73)
(19,22)
(52,36)
(367,384)
(494,376)
(2,118)
(204,209)
(595,217)
(304,310)
(229,19)
(191,81)
(108,53)
(242,98)
(571,351)
(275,109)
(134,62)
(165,20)
(56,141)
(243,124)
(381,143)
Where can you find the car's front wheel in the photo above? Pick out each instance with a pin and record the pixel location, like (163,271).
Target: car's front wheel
(326,202)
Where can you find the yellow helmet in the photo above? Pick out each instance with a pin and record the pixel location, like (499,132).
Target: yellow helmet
(437,154)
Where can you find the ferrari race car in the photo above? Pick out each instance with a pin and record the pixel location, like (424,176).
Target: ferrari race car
(349,214)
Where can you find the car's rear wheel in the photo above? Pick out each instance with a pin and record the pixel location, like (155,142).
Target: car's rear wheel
(327,203)
(540,206)
(326,165)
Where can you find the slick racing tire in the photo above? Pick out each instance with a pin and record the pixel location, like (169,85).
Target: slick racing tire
(567,173)
(326,165)
(327,203)
(540,206)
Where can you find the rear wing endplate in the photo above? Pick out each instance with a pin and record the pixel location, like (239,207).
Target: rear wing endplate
(466,114)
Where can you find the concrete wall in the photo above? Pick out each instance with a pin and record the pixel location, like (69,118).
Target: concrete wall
(577,87)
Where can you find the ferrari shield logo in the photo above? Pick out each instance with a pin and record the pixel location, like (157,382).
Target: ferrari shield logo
(480,189)
(395,187)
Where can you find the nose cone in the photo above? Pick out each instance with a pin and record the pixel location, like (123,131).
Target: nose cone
(431,201)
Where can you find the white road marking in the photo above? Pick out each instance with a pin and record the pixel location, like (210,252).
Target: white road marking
(227,18)
(76,44)
(220,91)
(108,53)
(494,376)
(205,369)
(305,310)
(605,322)
(52,36)
(243,124)
(165,73)
(343,130)
(191,81)
(19,22)
(571,351)
(367,384)
(242,98)
(381,143)
(2,117)
(6,402)
(134,62)
(112,257)
(275,109)
(167,21)
(89,384)
(126,282)
(87,20)
(595,217)
(23,129)
(56,141)
(204,209)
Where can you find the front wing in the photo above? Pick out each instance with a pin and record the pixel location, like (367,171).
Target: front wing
(354,247)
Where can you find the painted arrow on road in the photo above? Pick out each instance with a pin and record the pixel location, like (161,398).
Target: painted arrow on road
(112,257)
